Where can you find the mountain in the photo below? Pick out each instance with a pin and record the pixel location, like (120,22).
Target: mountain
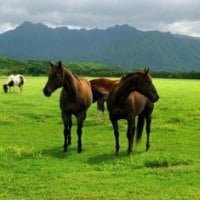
(122,46)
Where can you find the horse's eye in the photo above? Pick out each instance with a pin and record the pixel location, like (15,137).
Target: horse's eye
(55,76)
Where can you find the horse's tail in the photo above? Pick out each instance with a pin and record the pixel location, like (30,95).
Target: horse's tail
(22,80)
(98,92)
(140,126)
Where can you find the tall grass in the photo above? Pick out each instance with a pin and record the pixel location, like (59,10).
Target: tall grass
(33,166)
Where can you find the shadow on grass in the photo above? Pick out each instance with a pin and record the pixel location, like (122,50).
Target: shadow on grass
(165,163)
(57,152)
(110,157)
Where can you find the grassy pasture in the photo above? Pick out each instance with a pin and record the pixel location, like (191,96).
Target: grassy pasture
(32,165)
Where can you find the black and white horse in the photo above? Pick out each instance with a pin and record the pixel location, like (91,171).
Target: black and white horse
(13,80)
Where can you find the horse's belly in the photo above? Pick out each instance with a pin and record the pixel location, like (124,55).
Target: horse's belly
(74,107)
(119,112)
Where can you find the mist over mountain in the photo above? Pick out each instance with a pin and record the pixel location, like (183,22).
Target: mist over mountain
(122,46)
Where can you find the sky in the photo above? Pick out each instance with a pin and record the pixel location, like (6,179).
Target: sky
(175,16)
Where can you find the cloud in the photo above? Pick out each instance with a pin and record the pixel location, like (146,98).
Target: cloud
(177,16)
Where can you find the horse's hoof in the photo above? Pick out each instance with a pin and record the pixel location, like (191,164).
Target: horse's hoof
(79,150)
(65,151)
(130,153)
(147,148)
(117,153)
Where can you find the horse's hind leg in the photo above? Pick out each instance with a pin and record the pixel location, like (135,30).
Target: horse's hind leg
(67,131)
(80,119)
(116,133)
(100,110)
(148,130)
(20,87)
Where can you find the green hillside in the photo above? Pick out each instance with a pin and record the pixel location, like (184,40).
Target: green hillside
(41,67)
(122,46)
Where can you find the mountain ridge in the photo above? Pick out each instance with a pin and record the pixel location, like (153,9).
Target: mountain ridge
(120,45)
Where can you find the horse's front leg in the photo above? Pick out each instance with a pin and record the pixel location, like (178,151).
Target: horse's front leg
(67,130)
(130,134)
(69,135)
(80,119)
(116,133)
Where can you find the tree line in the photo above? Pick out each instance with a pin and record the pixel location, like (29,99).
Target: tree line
(41,67)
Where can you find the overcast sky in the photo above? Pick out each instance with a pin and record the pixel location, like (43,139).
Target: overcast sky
(176,16)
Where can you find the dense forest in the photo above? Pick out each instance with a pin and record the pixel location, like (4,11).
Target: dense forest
(41,67)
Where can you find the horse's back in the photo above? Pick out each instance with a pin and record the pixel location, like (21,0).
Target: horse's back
(102,82)
(17,79)
(9,78)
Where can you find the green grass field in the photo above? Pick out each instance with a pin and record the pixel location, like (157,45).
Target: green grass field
(33,166)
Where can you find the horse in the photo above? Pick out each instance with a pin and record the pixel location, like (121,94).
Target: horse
(129,97)
(75,99)
(14,80)
(102,85)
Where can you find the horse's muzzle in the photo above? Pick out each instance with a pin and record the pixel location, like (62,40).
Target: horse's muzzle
(5,88)
(155,98)
(46,92)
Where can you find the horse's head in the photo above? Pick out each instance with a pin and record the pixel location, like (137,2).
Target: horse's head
(141,82)
(145,85)
(55,78)
(5,88)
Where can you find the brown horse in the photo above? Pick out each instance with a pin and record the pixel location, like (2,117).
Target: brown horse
(101,85)
(129,97)
(75,99)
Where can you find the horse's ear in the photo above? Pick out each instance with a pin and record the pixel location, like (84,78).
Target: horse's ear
(50,63)
(146,71)
(59,64)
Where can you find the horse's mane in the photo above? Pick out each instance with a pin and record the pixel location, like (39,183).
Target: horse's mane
(67,70)
(124,77)
(76,76)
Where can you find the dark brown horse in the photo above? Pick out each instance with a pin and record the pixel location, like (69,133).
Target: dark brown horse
(129,97)
(75,99)
(101,85)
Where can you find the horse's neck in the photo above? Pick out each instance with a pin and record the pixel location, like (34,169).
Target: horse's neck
(124,89)
(69,82)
